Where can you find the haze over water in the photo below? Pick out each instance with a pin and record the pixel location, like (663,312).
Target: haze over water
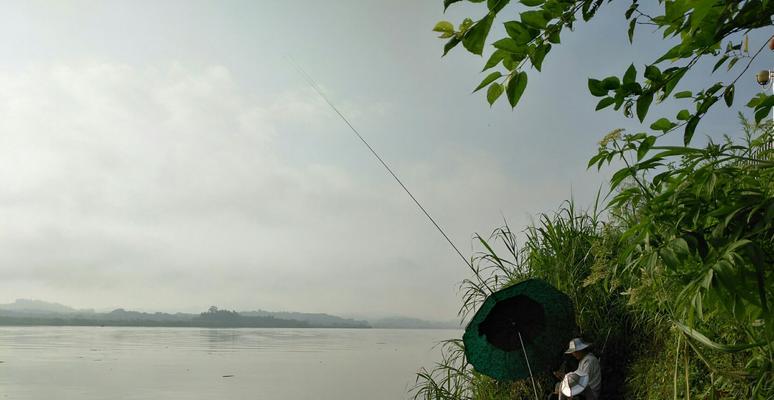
(191,363)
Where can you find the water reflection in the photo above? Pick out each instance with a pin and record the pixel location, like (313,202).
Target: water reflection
(190,363)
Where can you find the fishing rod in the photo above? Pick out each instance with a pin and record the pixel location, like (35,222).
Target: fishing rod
(317,89)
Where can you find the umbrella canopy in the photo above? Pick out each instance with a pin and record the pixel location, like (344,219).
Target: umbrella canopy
(541,313)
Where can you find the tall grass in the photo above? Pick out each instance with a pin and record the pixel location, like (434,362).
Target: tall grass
(673,285)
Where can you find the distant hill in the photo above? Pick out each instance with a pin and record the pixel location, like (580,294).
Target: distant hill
(413,323)
(36,312)
(38,306)
(313,319)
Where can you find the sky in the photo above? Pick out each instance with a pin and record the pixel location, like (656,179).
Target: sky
(167,156)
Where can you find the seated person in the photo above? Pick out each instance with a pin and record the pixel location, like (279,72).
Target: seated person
(586,381)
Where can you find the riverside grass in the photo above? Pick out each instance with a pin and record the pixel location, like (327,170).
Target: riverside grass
(671,280)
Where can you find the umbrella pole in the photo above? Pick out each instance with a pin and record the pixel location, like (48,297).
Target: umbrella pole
(528,367)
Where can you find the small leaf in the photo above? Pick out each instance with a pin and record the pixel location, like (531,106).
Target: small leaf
(532,3)
(509,45)
(474,38)
(645,147)
(496,5)
(631,10)
(719,63)
(494,91)
(443,26)
(611,83)
(662,125)
(607,101)
(450,44)
(630,75)
(596,88)
(534,18)
(516,87)
(447,3)
(537,56)
(683,94)
(519,32)
(643,103)
(494,59)
(684,115)
(630,32)
(554,37)
(653,73)
(728,95)
(690,128)
(732,63)
(489,79)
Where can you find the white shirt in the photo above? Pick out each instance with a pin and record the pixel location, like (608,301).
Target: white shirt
(589,365)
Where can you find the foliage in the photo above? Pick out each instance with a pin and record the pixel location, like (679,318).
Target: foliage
(717,29)
(676,281)
(674,285)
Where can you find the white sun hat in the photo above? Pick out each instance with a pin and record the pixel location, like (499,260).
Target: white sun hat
(574,383)
(576,344)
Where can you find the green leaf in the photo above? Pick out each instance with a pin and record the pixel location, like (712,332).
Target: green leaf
(494,91)
(509,45)
(489,79)
(643,103)
(732,63)
(554,37)
(631,10)
(700,10)
(447,3)
(611,83)
(653,73)
(672,53)
(645,147)
(607,101)
(537,56)
(516,87)
(475,37)
(596,88)
(519,32)
(532,3)
(761,113)
(630,75)
(684,94)
(720,62)
(662,124)
(494,59)
(706,342)
(450,44)
(684,115)
(444,26)
(630,32)
(496,5)
(672,79)
(728,95)
(534,18)
(690,129)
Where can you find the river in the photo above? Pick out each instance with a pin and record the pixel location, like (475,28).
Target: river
(87,363)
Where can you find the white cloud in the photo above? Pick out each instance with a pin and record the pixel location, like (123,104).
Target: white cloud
(165,188)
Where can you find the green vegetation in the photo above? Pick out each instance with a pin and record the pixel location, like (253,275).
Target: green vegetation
(670,277)
(213,317)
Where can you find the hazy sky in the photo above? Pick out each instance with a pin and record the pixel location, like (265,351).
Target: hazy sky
(167,156)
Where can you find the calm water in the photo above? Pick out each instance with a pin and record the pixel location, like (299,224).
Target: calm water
(190,363)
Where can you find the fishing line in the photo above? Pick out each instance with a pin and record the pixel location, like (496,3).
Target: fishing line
(387,167)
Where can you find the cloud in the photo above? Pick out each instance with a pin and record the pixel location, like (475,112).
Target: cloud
(170,188)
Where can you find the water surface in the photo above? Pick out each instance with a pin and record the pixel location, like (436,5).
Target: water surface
(191,363)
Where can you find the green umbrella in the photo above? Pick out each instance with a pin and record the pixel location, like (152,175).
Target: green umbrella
(539,312)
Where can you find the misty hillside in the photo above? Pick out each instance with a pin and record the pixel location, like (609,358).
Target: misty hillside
(38,306)
(316,319)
